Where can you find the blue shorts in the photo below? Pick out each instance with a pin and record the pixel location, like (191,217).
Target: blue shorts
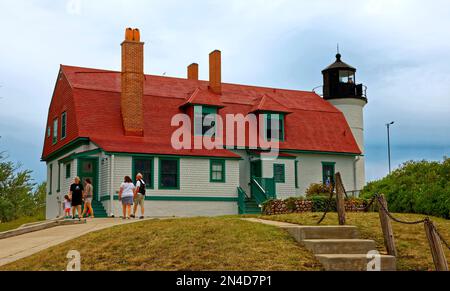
(127,201)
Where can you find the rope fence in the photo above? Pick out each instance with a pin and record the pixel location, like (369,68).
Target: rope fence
(435,238)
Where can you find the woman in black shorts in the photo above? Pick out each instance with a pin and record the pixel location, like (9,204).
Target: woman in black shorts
(76,194)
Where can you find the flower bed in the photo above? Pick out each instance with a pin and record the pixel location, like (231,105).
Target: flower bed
(313,204)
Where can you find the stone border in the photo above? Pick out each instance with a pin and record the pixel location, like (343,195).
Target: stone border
(37,226)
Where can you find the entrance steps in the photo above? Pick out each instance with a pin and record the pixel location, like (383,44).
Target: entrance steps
(337,248)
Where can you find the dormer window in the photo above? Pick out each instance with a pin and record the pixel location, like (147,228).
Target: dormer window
(274,124)
(205,121)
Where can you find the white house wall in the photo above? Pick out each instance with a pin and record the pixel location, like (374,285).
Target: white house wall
(53,200)
(310,170)
(194,178)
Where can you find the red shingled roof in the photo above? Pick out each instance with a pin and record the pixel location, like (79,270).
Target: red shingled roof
(313,125)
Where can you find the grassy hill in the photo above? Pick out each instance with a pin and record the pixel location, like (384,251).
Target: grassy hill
(179,244)
(226,243)
(411,241)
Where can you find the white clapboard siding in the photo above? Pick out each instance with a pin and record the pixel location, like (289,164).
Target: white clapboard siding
(287,189)
(194,178)
(310,170)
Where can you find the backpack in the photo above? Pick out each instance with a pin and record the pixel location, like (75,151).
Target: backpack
(142,188)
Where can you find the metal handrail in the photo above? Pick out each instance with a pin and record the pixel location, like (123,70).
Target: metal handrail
(260,187)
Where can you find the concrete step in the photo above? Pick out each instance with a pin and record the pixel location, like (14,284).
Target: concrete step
(355,262)
(339,246)
(301,233)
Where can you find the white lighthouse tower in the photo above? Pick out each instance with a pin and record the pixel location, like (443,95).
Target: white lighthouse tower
(341,90)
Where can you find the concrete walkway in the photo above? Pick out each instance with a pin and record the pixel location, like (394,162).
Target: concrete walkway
(22,246)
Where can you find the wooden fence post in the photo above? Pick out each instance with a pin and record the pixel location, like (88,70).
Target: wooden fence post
(340,193)
(386,226)
(439,259)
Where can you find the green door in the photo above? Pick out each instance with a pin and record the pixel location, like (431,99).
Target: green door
(88,169)
(256,169)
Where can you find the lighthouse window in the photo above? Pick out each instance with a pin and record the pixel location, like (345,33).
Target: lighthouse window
(347,77)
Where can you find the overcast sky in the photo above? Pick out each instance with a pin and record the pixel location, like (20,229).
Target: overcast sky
(401,50)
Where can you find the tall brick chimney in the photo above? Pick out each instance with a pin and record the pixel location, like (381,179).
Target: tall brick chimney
(215,71)
(132,83)
(193,72)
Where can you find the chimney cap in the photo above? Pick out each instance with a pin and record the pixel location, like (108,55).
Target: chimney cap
(133,35)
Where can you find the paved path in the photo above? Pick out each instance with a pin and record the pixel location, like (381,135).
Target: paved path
(22,246)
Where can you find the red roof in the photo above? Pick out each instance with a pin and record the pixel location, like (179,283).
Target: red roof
(203,97)
(94,99)
(267,103)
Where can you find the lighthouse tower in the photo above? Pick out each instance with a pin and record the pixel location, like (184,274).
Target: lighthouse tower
(341,90)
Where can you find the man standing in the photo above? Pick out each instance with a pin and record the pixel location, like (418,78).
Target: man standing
(139,196)
(76,196)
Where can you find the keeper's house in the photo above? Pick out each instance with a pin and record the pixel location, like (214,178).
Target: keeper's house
(105,125)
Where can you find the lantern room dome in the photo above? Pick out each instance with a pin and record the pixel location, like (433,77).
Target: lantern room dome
(339,64)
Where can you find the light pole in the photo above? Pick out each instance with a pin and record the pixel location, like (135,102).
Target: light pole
(388,125)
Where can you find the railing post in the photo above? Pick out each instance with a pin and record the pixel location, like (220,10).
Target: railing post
(340,193)
(437,251)
(389,240)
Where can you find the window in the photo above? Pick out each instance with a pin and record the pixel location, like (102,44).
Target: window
(50,179)
(49,131)
(63,125)
(208,120)
(274,126)
(68,171)
(328,169)
(145,167)
(217,171)
(347,77)
(279,173)
(296,175)
(55,131)
(169,173)
(59,178)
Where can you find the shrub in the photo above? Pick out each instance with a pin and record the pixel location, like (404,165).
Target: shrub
(416,187)
(320,190)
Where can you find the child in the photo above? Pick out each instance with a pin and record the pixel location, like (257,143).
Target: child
(67,206)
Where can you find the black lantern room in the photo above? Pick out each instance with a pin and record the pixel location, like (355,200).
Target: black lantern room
(339,81)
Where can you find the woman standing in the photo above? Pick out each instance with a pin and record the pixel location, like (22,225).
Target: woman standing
(88,196)
(76,195)
(126,195)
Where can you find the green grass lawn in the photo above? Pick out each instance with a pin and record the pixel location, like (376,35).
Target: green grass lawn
(412,244)
(197,244)
(19,222)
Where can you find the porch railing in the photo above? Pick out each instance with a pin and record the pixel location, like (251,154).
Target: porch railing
(263,189)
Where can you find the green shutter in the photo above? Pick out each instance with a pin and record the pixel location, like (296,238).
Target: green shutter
(50,180)
(296,175)
(68,170)
(217,172)
(279,173)
(59,178)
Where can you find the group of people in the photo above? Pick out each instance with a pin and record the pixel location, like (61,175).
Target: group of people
(129,195)
(79,194)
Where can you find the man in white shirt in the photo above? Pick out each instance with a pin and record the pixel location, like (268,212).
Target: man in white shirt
(139,196)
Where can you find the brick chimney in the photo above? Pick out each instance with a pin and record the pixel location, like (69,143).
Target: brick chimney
(193,72)
(132,83)
(215,72)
